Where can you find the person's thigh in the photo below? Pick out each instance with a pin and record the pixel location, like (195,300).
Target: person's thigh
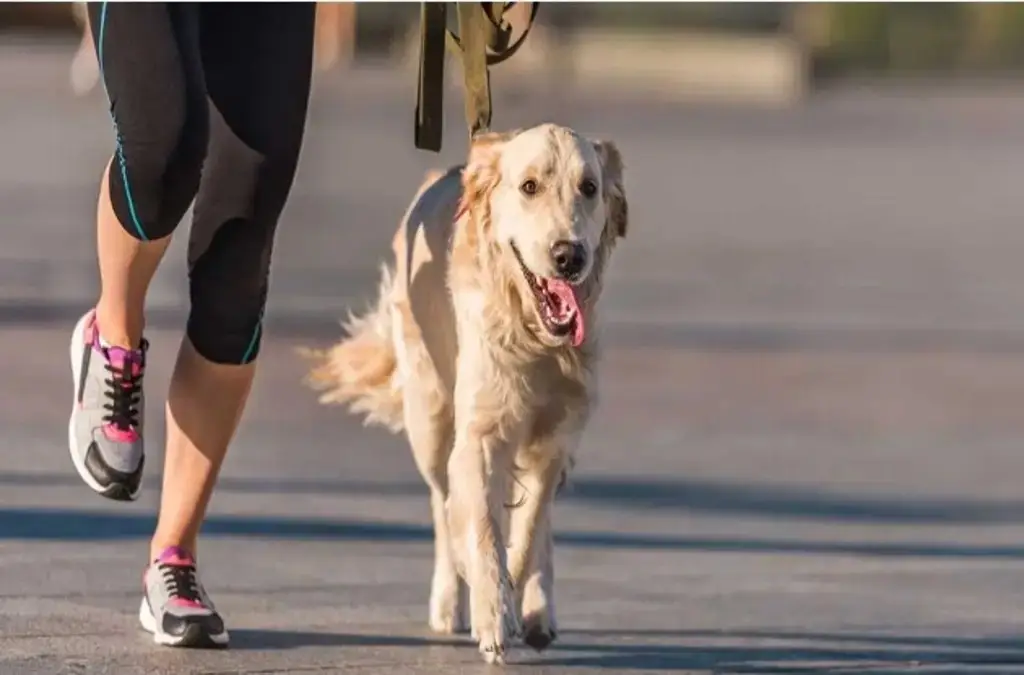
(257,61)
(149,60)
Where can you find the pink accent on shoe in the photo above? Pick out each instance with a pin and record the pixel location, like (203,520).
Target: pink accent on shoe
(177,556)
(116,356)
(115,434)
(188,604)
(119,356)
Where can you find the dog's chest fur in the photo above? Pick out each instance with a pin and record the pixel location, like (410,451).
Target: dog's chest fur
(538,398)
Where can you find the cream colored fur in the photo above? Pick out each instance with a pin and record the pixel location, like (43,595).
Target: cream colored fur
(454,353)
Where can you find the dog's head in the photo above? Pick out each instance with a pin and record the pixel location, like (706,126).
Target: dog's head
(555,205)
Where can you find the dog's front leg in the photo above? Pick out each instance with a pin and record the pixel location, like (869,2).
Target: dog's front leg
(531,560)
(477,470)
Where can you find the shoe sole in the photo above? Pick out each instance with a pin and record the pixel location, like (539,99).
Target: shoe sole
(194,638)
(117,491)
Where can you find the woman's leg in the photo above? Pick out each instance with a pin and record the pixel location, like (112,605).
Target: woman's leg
(160,117)
(257,62)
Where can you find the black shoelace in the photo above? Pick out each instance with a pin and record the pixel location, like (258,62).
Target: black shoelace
(124,391)
(181,582)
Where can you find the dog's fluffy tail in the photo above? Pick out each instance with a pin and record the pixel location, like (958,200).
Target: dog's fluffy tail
(361,370)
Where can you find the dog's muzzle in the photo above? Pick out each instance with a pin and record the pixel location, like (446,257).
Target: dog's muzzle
(569,258)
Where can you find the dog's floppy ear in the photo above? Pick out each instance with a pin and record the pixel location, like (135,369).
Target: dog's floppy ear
(481,175)
(614,186)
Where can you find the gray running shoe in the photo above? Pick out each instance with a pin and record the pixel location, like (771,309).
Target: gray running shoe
(175,607)
(105,432)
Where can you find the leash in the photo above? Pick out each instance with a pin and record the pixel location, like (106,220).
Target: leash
(483,41)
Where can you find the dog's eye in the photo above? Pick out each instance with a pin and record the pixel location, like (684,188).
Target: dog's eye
(529,187)
(588,188)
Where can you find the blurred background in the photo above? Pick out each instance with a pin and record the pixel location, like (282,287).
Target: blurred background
(811,405)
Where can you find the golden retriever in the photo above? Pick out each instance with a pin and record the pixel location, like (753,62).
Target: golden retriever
(482,348)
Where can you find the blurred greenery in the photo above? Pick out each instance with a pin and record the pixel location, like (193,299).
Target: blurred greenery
(853,38)
(920,37)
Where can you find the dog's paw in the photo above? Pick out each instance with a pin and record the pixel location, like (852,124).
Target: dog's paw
(497,638)
(538,612)
(539,630)
(496,629)
(494,652)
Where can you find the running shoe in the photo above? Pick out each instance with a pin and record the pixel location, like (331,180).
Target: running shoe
(105,431)
(175,607)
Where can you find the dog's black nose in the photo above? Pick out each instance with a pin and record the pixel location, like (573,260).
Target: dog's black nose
(570,258)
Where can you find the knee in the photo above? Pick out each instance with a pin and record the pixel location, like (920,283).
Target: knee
(156,169)
(227,327)
(228,288)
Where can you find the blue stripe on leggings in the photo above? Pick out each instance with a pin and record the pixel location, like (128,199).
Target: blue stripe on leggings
(117,134)
(255,338)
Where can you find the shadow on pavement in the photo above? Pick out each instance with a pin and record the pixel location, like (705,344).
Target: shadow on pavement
(694,496)
(805,653)
(325,325)
(789,502)
(796,652)
(259,639)
(77,525)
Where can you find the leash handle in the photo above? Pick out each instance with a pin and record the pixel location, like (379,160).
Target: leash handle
(501,51)
(483,41)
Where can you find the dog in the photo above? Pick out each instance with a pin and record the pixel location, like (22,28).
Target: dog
(482,348)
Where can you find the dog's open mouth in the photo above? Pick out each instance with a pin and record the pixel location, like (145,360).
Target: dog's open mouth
(557,303)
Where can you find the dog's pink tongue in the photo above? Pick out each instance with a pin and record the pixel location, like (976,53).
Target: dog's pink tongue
(569,302)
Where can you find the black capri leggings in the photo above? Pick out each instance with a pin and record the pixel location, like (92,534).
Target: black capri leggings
(209,103)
